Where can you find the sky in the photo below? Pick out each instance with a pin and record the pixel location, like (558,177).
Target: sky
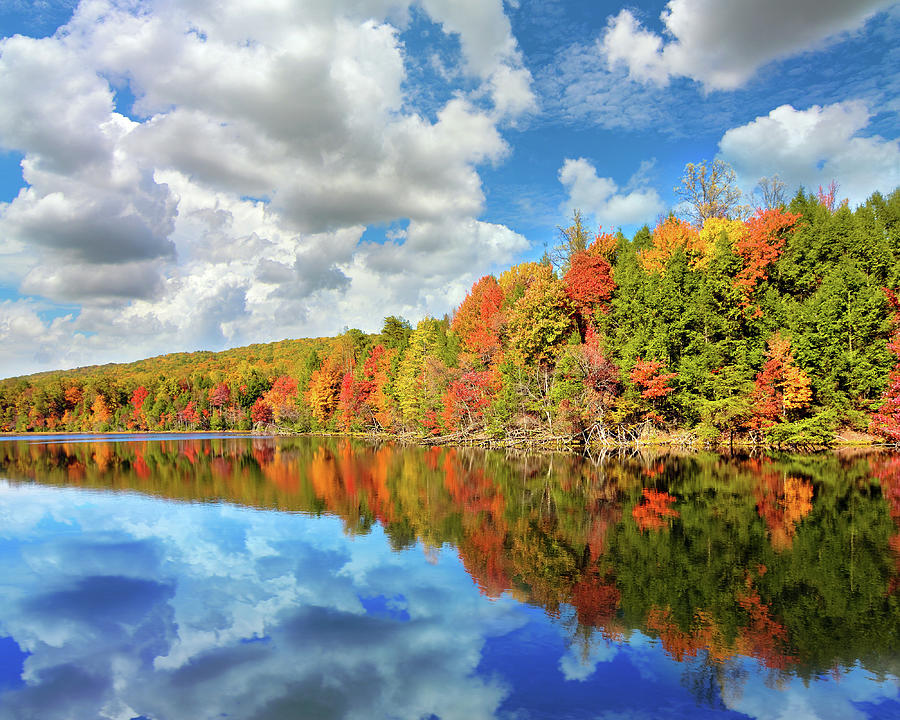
(182,175)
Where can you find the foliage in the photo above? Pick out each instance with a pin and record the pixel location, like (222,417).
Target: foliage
(541,319)
(480,317)
(671,236)
(589,284)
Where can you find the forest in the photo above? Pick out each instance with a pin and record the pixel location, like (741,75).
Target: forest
(778,326)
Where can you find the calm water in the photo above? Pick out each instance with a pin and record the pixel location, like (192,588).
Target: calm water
(196,578)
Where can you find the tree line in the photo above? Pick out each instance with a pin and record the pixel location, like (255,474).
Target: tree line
(778,325)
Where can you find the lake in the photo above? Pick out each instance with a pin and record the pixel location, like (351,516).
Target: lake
(169,577)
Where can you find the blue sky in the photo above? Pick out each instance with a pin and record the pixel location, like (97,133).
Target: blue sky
(184,176)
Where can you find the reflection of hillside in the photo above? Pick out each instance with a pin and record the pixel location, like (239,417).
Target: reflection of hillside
(793,561)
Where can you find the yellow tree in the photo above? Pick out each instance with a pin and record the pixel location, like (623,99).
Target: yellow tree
(325,388)
(100,412)
(422,375)
(670,236)
(541,319)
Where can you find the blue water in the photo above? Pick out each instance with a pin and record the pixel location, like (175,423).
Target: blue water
(118,605)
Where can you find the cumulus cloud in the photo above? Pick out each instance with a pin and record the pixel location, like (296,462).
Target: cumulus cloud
(603,199)
(722,43)
(85,201)
(27,341)
(260,145)
(812,147)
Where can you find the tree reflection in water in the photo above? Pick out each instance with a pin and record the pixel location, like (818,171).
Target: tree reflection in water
(791,560)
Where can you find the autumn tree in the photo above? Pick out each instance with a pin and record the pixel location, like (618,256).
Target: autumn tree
(138,397)
(219,395)
(282,398)
(589,285)
(516,280)
(714,230)
(780,386)
(606,245)
(467,398)
(480,317)
(586,383)
(886,419)
(73,396)
(189,416)
(760,247)
(827,197)
(670,236)
(379,402)
(325,388)
(422,375)
(541,319)
(650,378)
(100,413)
(354,394)
(261,412)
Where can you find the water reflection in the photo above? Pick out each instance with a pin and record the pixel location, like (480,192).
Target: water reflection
(536,586)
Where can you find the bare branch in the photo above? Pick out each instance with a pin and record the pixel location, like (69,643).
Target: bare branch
(770,191)
(710,191)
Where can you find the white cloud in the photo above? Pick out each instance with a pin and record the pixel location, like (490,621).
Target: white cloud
(602,199)
(264,139)
(26,341)
(722,43)
(812,147)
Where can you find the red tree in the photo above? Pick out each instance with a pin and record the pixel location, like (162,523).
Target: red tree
(261,412)
(137,402)
(354,394)
(648,375)
(377,375)
(281,398)
(589,284)
(466,399)
(759,247)
(189,416)
(779,387)
(219,395)
(479,318)
(886,419)
(137,398)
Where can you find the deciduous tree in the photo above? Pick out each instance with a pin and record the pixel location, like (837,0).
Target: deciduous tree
(709,190)
(480,317)
(541,319)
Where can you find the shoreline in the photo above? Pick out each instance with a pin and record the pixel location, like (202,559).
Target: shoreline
(532,441)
